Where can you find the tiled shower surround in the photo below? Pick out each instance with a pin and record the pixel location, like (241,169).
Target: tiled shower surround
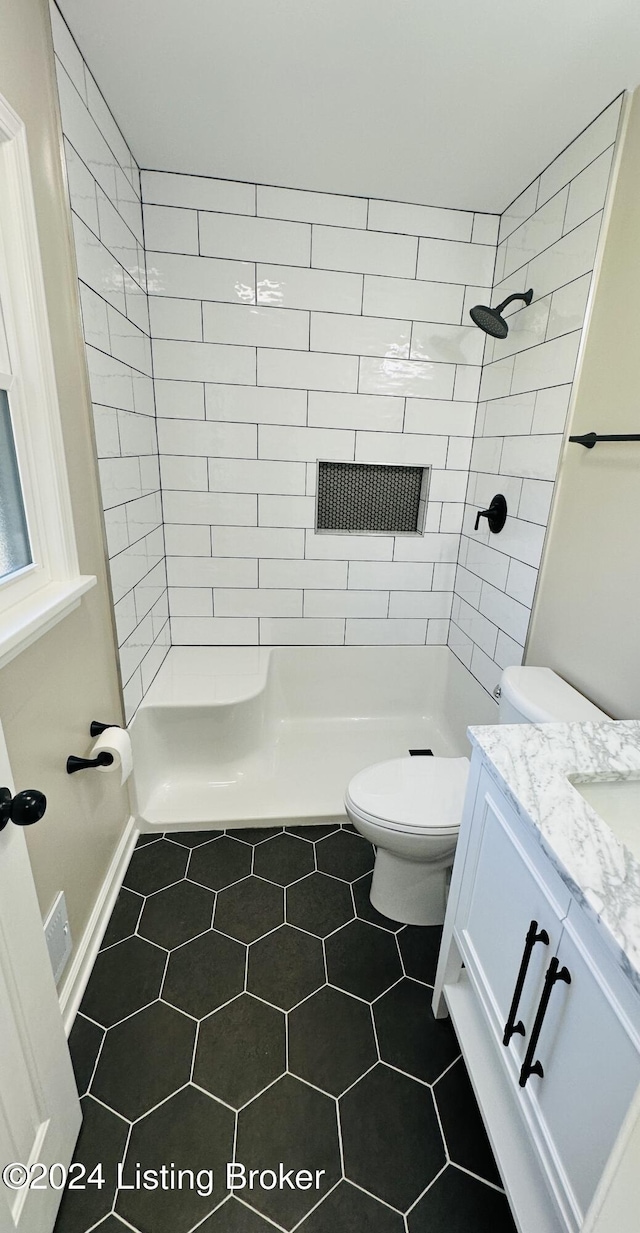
(104,188)
(287,327)
(291,326)
(548,241)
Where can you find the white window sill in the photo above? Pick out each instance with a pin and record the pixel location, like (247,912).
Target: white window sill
(23,623)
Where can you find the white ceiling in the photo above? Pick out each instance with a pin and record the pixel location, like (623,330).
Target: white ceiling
(445,102)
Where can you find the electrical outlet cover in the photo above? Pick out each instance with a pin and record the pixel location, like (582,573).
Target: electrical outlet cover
(57,934)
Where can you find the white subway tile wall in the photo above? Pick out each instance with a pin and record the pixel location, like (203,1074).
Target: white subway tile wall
(262,329)
(104,188)
(547,240)
(301,329)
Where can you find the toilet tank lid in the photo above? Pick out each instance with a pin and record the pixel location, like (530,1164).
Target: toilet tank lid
(542,696)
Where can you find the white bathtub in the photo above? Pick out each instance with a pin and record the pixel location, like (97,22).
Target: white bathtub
(251,736)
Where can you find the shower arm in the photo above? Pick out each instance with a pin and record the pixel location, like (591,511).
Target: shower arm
(510,298)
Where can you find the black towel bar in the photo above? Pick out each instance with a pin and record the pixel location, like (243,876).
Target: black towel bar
(592,438)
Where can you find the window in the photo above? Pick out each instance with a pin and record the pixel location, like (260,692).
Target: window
(39,576)
(15,548)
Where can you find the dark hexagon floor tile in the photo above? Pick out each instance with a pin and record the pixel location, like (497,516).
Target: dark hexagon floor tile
(331,1040)
(362,960)
(457,1203)
(365,909)
(102,1140)
(462,1124)
(124,979)
(241,1050)
(84,1042)
(285,967)
(292,1123)
(283,859)
(155,866)
(312,833)
(220,863)
(409,1036)
(319,904)
(390,1136)
(345,855)
(190,1131)
(419,947)
(205,973)
(254,834)
(347,1209)
(143,840)
(173,916)
(144,1059)
(192,839)
(123,919)
(234,1217)
(249,909)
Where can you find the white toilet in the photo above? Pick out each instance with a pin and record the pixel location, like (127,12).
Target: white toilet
(410,808)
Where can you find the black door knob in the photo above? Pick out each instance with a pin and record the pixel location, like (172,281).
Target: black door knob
(23,809)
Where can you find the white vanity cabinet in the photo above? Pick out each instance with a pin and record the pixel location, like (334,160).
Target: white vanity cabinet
(547,1021)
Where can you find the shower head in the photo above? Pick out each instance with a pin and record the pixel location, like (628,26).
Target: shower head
(491,320)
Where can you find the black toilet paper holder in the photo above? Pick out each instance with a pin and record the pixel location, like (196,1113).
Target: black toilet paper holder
(96,727)
(84,764)
(102,759)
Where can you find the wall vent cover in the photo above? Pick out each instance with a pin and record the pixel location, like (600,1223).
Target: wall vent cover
(371,499)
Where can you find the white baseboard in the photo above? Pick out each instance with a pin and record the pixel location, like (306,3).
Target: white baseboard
(78,975)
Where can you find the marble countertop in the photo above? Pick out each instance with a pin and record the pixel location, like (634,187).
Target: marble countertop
(532,763)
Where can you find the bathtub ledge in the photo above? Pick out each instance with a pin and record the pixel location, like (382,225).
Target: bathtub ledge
(209,676)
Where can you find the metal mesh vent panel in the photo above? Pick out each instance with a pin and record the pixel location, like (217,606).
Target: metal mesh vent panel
(360,497)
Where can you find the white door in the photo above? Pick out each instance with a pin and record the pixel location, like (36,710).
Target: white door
(39,1107)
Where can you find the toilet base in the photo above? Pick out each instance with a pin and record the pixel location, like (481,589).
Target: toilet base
(413,892)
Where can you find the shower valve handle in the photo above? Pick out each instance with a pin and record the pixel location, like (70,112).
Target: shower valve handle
(496,514)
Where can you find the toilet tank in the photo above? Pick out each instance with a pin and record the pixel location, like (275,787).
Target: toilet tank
(539,696)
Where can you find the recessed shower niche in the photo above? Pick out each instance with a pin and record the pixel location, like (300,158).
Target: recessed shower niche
(371,499)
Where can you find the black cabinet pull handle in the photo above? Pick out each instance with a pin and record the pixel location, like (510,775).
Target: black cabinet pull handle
(511,1028)
(554,974)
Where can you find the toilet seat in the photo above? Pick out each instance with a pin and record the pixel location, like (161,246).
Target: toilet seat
(419,794)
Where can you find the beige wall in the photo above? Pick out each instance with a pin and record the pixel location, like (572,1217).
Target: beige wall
(586,619)
(50,692)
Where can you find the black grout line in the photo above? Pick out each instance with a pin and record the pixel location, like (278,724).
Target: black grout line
(86,70)
(525,265)
(309,191)
(125,171)
(304,222)
(563,151)
(322,269)
(114,207)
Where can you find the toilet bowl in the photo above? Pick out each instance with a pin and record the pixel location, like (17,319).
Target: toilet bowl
(410,808)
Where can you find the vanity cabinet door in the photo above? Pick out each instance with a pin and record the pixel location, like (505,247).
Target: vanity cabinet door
(503,894)
(589,1051)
